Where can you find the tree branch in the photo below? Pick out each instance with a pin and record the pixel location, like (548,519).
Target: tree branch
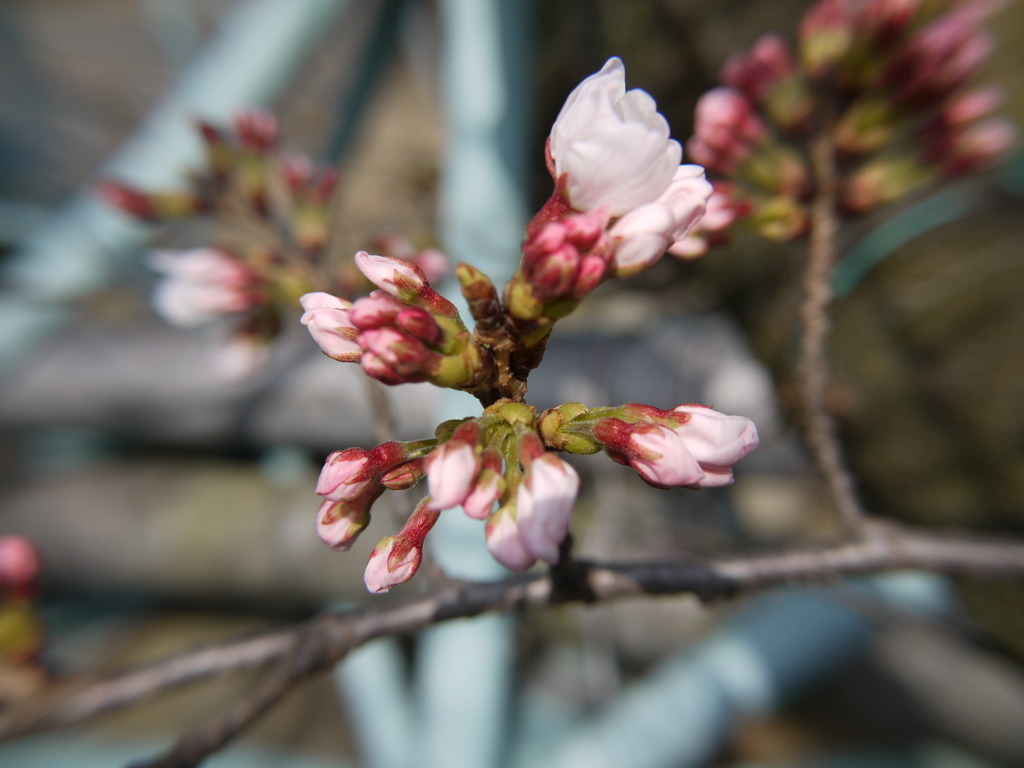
(317,644)
(820,429)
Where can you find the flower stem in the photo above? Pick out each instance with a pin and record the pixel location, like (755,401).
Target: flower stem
(820,428)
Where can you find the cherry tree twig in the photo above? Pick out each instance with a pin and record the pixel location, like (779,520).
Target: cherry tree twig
(295,653)
(820,429)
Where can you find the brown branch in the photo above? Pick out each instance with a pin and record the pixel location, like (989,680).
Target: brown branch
(324,640)
(819,426)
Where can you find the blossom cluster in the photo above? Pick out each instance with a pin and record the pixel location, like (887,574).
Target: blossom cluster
(622,199)
(892,83)
(502,467)
(250,283)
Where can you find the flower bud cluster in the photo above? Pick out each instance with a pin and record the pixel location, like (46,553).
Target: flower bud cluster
(203,285)
(404,332)
(621,201)
(691,446)
(900,73)
(251,184)
(502,468)
(495,467)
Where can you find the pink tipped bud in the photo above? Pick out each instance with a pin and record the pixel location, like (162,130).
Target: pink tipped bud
(591,274)
(328,319)
(717,441)
(296,171)
(544,502)
(756,72)
(420,324)
(404,476)
(324,185)
(484,495)
(128,199)
(398,277)
(972,105)
(339,523)
(505,542)
(391,563)
(257,130)
(725,119)
(980,146)
(346,474)
(210,133)
(397,558)
(406,281)
(19,567)
(452,469)
(553,274)
(378,310)
(402,353)
(661,457)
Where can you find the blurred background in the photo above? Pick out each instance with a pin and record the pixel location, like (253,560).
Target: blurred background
(171,499)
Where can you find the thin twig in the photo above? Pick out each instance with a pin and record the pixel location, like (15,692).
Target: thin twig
(330,637)
(814,320)
(305,657)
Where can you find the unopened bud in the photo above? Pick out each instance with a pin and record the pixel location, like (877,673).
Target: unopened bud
(257,130)
(825,36)
(866,126)
(521,302)
(883,180)
(779,218)
(778,168)
(403,476)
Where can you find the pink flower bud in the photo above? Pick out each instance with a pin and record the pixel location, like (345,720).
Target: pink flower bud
(553,275)
(19,567)
(980,146)
(296,171)
(203,285)
(717,441)
(392,562)
(258,131)
(661,457)
(328,319)
(346,474)
(644,234)
(485,492)
(972,105)
(420,324)
(591,273)
(545,240)
(378,310)
(404,476)
(400,352)
(544,503)
(128,200)
(398,277)
(405,281)
(452,469)
(757,71)
(397,558)
(505,542)
(339,523)
(726,120)
(611,148)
